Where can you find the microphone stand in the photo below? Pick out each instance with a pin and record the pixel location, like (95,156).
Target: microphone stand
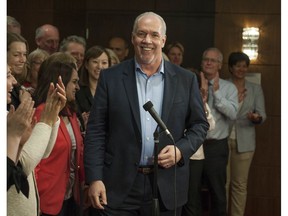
(155,201)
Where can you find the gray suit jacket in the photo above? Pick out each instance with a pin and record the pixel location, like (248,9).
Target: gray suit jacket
(113,139)
(245,129)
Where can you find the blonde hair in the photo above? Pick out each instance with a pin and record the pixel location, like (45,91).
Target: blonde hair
(38,53)
(14,37)
(113,56)
(165,56)
(175,44)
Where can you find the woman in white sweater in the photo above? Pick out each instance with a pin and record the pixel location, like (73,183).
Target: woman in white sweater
(22,198)
(193,205)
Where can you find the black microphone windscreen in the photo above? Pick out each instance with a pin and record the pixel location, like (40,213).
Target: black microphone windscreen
(147,106)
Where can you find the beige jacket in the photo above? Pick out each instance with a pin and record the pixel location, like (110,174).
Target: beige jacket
(38,146)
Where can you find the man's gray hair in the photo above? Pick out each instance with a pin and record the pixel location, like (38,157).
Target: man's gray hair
(220,55)
(72,38)
(135,26)
(12,21)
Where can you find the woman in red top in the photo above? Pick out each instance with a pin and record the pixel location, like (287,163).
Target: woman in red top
(60,176)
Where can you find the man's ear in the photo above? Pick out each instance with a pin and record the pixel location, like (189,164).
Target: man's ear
(37,41)
(164,41)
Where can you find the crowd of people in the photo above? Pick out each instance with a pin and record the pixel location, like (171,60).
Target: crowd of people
(79,141)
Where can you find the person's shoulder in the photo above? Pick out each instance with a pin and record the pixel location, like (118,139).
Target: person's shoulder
(255,87)
(252,84)
(226,82)
(227,85)
(117,72)
(83,88)
(119,68)
(82,91)
(178,69)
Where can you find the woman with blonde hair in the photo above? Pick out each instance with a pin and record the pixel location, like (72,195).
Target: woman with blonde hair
(34,62)
(114,58)
(17,50)
(175,53)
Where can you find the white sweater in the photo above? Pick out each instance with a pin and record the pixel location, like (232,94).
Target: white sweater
(38,146)
(199,154)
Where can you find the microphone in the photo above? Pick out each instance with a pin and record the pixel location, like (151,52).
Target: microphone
(149,107)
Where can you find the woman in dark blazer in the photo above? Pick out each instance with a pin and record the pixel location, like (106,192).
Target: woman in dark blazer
(96,59)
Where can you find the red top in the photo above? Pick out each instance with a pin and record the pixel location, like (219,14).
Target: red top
(52,174)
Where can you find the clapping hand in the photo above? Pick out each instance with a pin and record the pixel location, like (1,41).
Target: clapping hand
(19,123)
(216,82)
(254,117)
(203,87)
(55,102)
(23,94)
(85,116)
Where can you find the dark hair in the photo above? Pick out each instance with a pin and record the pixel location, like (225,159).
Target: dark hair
(93,52)
(126,45)
(53,71)
(235,57)
(64,58)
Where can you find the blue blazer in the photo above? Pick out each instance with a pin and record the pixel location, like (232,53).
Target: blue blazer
(113,142)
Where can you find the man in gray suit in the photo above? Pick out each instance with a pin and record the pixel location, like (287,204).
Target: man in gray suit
(119,145)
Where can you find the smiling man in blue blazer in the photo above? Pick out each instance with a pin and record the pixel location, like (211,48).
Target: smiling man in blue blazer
(119,143)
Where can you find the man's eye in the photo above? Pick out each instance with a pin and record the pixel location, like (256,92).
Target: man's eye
(155,35)
(141,34)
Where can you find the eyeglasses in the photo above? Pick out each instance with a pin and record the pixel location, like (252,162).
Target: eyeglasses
(210,60)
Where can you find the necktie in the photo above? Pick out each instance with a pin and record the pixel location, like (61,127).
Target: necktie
(210,94)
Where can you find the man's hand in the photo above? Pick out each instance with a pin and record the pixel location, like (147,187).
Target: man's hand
(97,194)
(254,117)
(85,116)
(203,87)
(216,82)
(166,157)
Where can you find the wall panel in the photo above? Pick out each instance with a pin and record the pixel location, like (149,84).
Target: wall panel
(229,35)
(264,186)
